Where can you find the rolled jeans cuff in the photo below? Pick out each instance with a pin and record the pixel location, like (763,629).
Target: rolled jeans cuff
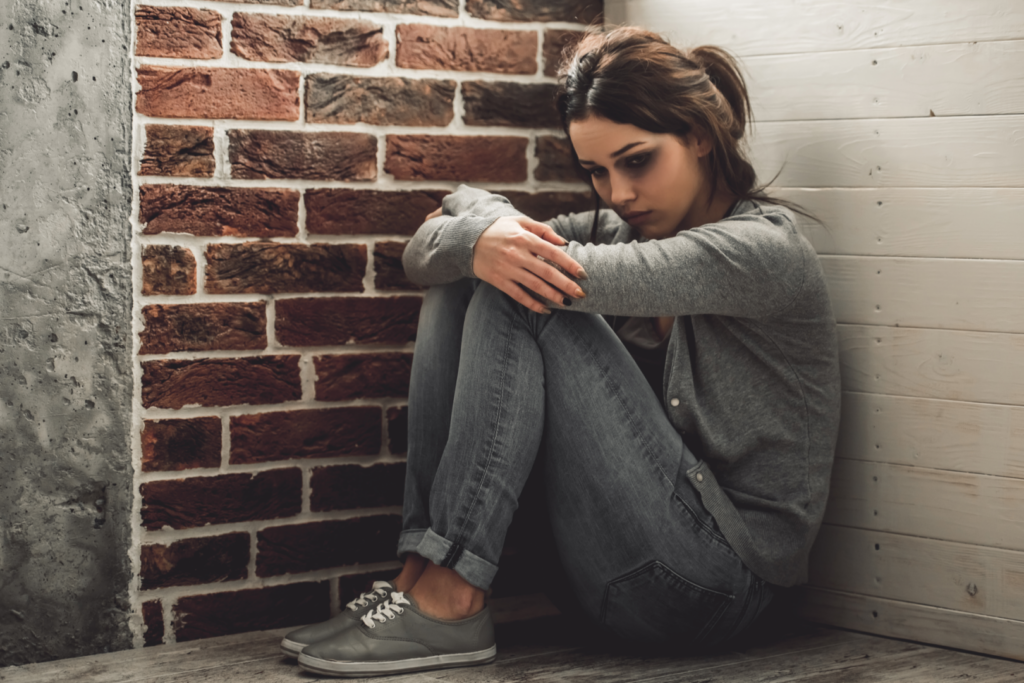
(442,552)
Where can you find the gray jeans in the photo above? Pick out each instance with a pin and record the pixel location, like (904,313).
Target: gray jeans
(492,385)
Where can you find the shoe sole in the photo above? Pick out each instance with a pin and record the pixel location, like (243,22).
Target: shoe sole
(332,668)
(289,648)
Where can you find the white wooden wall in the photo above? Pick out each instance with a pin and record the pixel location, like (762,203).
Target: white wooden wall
(901,124)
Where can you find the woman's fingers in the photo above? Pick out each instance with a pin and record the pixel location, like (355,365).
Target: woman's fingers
(521,296)
(555,278)
(544,231)
(561,259)
(539,286)
(433,214)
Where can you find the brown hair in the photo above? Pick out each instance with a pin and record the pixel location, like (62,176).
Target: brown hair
(633,76)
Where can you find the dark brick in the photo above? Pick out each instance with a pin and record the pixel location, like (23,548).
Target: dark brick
(255,609)
(338,98)
(544,206)
(218,93)
(153,619)
(178,151)
(203,327)
(309,156)
(305,434)
(387,265)
(436,8)
(398,429)
(169,445)
(368,212)
(195,561)
(362,375)
(526,105)
(297,38)
(222,499)
(354,585)
(220,381)
(268,268)
(346,487)
(577,11)
(556,44)
(319,545)
(480,158)
(180,32)
(556,160)
(168,270)
(214,211)
(350,320)
(458,48)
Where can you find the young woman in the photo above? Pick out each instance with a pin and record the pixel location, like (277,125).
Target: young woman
(673,359)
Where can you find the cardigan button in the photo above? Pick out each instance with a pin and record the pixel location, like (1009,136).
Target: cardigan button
(674,402)
(700,477)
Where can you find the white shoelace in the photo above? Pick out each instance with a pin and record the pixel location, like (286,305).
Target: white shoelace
(380,590)
(389,610)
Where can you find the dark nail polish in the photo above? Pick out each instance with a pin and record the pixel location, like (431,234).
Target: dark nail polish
(582,274)
(566,301)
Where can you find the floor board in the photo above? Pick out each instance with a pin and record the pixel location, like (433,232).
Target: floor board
(548,651)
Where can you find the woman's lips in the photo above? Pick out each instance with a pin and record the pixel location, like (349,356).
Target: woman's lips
(635,216)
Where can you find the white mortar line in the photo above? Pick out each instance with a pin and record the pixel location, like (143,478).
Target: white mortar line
(307,488)
(225,448)
(268,466)
(335,597)
(136,624)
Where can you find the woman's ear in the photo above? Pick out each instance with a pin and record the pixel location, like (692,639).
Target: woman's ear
(703,143)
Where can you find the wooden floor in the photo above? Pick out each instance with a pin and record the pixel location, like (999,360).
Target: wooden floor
(545,650)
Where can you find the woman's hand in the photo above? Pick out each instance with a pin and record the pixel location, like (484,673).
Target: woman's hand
(506,256)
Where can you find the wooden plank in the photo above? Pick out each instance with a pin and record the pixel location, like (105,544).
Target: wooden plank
(982,367)
(749,27)
(951,294)
(942,223)
(945,435)
(937,666)
(958,576)
(962,151)
(898,619)
(952,506)
(932,80)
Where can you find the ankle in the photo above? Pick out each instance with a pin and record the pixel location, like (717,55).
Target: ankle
(443,594)
(410,574)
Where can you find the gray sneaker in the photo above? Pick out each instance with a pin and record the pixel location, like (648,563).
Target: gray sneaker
(293,643)
(397,637)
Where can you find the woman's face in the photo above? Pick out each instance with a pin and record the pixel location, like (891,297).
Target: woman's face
(654,181)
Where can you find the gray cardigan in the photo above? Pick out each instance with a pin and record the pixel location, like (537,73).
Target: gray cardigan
(758,394)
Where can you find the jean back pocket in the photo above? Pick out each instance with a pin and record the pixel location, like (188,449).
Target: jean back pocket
(655,605)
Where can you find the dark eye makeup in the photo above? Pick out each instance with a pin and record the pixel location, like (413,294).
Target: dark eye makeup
(632,163)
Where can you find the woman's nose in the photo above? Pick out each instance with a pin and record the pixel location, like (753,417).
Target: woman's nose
(622,191)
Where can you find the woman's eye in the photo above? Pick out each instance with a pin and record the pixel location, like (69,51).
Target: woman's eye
(638,161)
(596,172)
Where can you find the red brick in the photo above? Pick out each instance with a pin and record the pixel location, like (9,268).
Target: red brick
(543,206)
(195,561)
(287,3)
(362,375)
(458,48)
(350,320)
(556,43)
(320,545)
(203,327)
(398,429)
(309,156)
(340,211)
(479,158)
(220,381)
(168,270)
(153,619)
(387,266)
(178,151)
(436,8)
(296,38)
(214,211)
(576,11)
(218,93)
(169,445)
(254,609)
(181,32)
(339,98)
(526,105)
(326,433)
(347,487)
(222,499)
(266,267)
(556,160)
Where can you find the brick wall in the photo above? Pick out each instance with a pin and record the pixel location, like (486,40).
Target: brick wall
(285,150)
